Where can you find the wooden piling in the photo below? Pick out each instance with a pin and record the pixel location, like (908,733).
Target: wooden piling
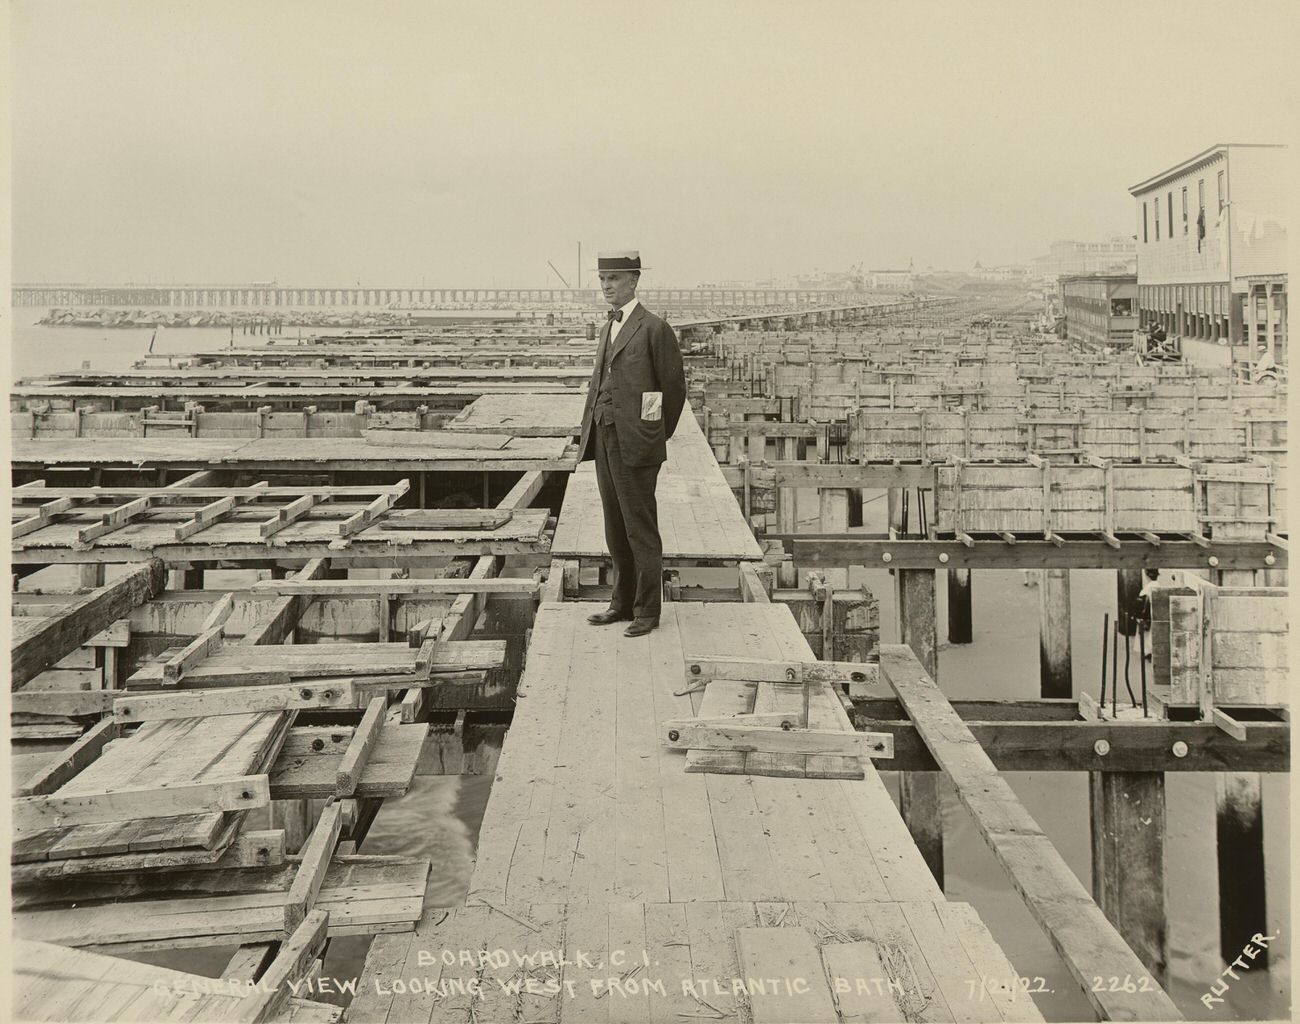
(1239,829)
(918,792)
(834,509)
(787,519)
(853,497)
(1128,861)
(90,574)
(1054,655)
(960,624)
(1128,595)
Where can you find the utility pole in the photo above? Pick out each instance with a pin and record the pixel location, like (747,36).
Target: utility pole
(579,266)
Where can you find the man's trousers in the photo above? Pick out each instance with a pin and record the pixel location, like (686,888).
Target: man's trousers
(627,496)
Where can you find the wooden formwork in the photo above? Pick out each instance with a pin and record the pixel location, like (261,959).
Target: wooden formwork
(1235,501)
(1040,497)
(984,436)
(1222,645)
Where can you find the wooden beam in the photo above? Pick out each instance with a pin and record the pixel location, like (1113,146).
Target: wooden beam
(358,521)
(708,668)
(1131,747)
(757,580)
(812,551)
(509,587)
(290,513)
(206,643)
(233,700)
(59,635)
(286,611)
(72,760)
(212,513)
(286,972)
(1078,930)
(34,813)
(61,702)
(918,794)
(691,734)
(359,749)
(521,495)
(113,520)
(315,860)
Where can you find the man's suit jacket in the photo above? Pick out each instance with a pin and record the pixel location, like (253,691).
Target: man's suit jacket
(645,358)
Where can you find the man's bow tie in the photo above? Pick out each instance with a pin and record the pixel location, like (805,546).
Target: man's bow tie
(615,315)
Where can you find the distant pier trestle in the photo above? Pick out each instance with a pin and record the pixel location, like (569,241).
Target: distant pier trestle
(266,296)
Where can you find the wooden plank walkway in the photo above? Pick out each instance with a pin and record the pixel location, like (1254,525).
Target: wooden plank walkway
(699,519)
(597,839)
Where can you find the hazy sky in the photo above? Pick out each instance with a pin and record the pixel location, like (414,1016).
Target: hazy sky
(468,143)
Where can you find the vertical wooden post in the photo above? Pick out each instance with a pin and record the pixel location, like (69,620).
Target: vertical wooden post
(853,498)
(855,626)
(1128,861)
(90,574)
(1056,677)
(185,579)
(918,792)
(834,506)
(787,519)
(1239,828)
(507,620)
(1128,593)
(960,625)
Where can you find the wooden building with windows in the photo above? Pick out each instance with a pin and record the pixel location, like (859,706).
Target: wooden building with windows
(1209,229)
(1100,309)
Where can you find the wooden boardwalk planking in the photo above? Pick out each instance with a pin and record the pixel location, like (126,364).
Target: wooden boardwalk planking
(698,515)
(595,837)
(744,961)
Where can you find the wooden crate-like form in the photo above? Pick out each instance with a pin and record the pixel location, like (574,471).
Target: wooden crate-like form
(1226,645)
(1040,497)
(1235,500)
(926,436)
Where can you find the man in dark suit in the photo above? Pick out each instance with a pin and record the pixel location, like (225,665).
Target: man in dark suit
(634,401)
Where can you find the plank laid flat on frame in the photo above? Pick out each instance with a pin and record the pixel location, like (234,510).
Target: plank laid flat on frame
(187,750)
(363,896)
(522,415)
(698,515)
(280,663)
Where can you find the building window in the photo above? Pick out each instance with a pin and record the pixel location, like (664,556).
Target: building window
(1169,199)
(1184,209)
(1223,199)
(1155,204)
(1200,212)
(1145,239)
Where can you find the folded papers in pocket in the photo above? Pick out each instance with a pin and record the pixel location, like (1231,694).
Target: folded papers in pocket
(652,405)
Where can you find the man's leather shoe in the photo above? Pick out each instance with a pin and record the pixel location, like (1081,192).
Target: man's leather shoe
(607,616)
(640,627)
